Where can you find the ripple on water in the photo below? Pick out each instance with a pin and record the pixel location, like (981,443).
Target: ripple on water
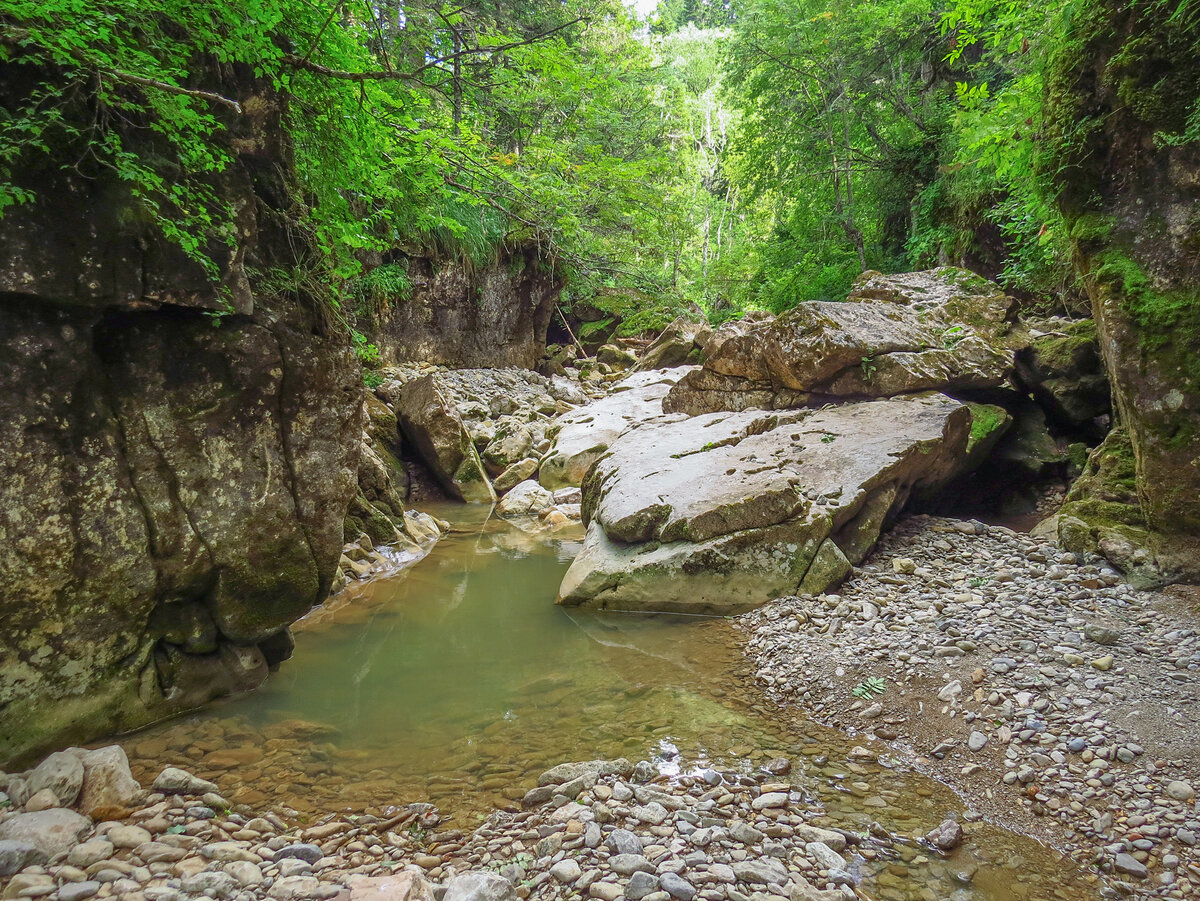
(458,682)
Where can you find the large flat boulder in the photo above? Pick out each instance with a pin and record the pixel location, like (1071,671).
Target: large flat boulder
(942,330)
(584,434)
(722,512)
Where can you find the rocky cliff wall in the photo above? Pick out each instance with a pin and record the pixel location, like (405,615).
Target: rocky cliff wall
(466,316)
(172,483)
(1126,162)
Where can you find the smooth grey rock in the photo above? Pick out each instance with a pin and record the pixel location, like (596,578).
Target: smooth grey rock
(213,883)
(1127,863)
(77,891)
(627,864)
(174,781)
(590,769)
(763,871)
(825,857)
(53,832)
(16,855)
(61,773)
(566,871)
(305,851)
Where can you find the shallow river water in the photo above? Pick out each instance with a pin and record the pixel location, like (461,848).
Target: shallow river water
(458,681)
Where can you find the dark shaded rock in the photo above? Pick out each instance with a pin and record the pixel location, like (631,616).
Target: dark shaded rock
(433,427)
(1063,370)
(1132,201)
(466,316)
(680,343)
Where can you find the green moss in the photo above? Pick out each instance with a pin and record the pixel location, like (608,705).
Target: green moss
(1060,353)
(985,419)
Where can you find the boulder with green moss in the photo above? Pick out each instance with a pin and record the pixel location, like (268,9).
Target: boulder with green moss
(1104,515)
(1124,167)
(1062,369)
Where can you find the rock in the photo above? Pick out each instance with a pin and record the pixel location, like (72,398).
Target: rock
(174,781)
(770,799)
(245,872)
(834,840)
(652,814)
(617,358)
(107,780)
(292,888)
(640,885)
(586,433)
(526,499)
(77,891)
(743,832)
(605,891)
(566,871)
(408,885)
(627,864)
(515,474)
(61,773)
(945,837)
(205,451)
(1062,367)
(1127,863)
(1103,515)
(943,329)
(432,425)
(42,800)
(479,887)
(680,343)
(87,853)
(803,890)
(824,856)
(590,770)
(763,871)
(513,442)
(16,855)
(676,886)
(623,842)
(976,740)
(127,836)
(1180,791)
(52,832)
(712,514)
(307,852)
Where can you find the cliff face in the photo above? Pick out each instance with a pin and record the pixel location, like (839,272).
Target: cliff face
(172,483)
(492,316)
(1128,173)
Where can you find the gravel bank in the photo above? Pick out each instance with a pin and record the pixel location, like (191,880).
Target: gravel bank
(1052,696)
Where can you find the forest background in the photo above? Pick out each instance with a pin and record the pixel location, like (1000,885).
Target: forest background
(735,154)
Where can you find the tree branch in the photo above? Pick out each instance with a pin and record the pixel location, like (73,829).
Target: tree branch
(308,65)
(173,88)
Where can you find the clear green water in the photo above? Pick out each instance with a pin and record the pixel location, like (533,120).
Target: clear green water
(458,681)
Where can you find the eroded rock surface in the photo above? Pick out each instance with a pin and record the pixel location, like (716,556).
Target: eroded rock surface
(583,435)
(943,329)
(723,511)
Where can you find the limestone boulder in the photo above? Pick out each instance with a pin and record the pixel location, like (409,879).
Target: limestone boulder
(943,329)
(432,425)
(679,344)
(586,432)
(107,780)
(526,499)
(722,512)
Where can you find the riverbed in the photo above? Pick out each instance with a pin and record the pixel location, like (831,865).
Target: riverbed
(458,681)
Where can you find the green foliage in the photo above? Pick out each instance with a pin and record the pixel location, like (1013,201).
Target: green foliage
(869,688)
